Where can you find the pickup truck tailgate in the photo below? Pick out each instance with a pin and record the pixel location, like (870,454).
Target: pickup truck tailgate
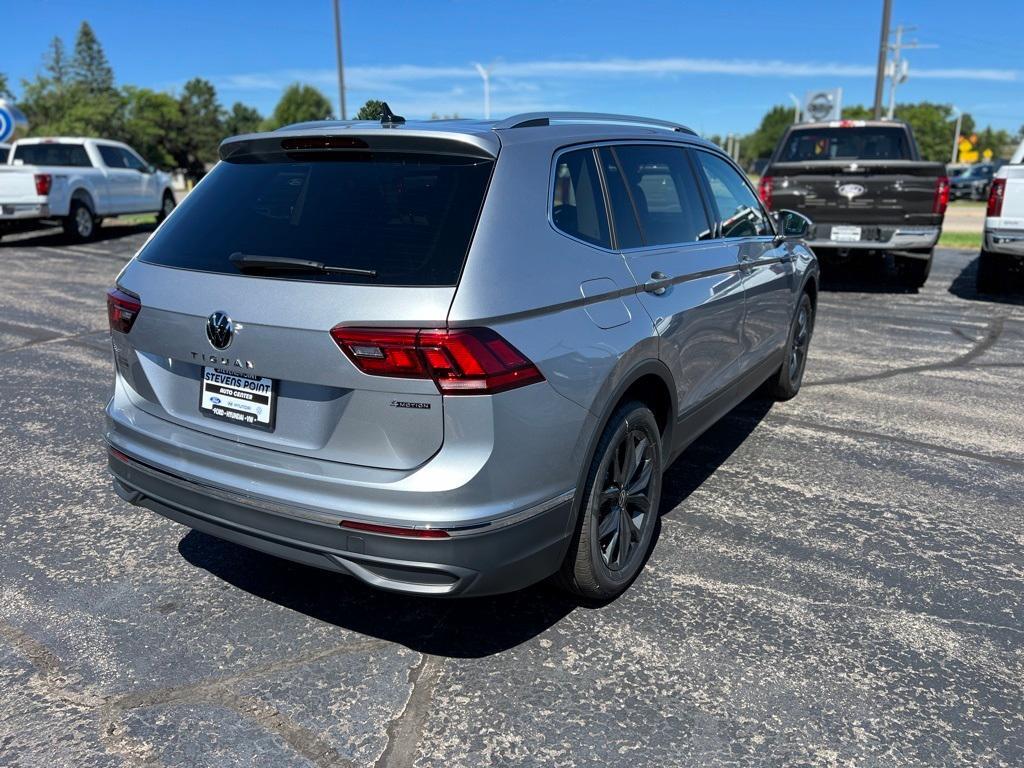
(18,186)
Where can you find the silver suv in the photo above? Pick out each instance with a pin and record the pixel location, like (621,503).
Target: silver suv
(452,357)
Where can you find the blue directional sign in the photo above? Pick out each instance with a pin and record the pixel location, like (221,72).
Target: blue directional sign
(10,118)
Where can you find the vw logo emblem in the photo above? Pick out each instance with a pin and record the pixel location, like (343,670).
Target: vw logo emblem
(220,330)
(850,191)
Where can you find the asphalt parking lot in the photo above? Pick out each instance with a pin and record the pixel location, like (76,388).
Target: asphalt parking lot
(838,580)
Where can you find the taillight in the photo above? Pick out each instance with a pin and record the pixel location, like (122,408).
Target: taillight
(764,190)
(995,198)
(43,183)
(122,309)
(941,200)
(462,361)
(394,530)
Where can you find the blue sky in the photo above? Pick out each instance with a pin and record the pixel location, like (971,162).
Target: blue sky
(714,66)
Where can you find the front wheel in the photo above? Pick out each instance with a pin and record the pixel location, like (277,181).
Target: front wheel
(619,510)
(913,272)
(791,373)
(80,224)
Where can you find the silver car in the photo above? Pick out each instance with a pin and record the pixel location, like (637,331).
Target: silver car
(451,357)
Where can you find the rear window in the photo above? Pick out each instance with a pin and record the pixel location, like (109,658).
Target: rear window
(69,155)
(409,217)
(811,144)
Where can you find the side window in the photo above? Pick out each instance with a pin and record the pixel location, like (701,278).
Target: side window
(627,228)
(577,202)
(131,161)
(664,193)
(112,157)
(738,207)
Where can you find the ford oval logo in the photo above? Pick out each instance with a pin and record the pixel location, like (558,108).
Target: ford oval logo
(220,330)
(850,191)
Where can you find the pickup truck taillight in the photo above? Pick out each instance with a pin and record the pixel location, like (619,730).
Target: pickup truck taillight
(43,183)
(122,309)
(941,201)
(764,190)
(461,361)
(995,198)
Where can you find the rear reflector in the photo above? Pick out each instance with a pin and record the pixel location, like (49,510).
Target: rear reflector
(765,189)
(122,309)
(941,201)
(43,183)
(463,361)
(392,530)
(995,197)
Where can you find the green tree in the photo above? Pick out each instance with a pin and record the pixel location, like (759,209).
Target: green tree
(298,104)
(89,65)
(5,89)
(152,124)
(242,119)
(371,110)
(762,142)
(202,128)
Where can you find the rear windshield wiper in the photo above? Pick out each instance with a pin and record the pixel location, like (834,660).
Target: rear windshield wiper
(254,261)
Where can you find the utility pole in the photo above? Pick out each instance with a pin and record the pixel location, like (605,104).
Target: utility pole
(796,107)
(899,68)
(883,55)
(341,65)
(485,73)
(956,137)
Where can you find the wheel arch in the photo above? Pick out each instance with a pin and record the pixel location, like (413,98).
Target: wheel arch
(83,195)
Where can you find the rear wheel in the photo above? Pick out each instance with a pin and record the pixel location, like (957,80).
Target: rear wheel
(913,272)
(991,273)
(166,206)
(80,224)
(620,507)
(791,373)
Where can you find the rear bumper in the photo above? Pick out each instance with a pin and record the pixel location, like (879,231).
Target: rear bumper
(1009,242)
(23,211)
(498,558)
(889,238)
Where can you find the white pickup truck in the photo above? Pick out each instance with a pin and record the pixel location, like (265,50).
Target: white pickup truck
(76,182)
(1003,244)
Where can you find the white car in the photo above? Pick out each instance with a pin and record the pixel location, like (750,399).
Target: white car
(1003,245)
(77,181)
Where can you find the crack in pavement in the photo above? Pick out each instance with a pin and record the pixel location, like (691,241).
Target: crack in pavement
(986,342)
(403,733)
(52,340)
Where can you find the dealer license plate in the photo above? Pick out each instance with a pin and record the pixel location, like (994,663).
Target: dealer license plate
(240,398)
(845,234)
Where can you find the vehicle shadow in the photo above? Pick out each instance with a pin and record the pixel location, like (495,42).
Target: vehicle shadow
(964,286)
(868,275)
(55,237)
(460,628)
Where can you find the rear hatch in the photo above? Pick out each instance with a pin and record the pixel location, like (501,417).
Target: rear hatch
(401,208)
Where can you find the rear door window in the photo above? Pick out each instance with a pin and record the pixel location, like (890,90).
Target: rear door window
(664,194)
(409,217)
(113,157)
(577,205)
(52,153)
(739,210)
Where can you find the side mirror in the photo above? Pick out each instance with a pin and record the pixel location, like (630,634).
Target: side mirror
(791,224)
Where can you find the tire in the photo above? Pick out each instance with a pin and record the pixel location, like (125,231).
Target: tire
(991,273)
(913,272)
(597,568)
(791,373)
(167,205)
(80,224)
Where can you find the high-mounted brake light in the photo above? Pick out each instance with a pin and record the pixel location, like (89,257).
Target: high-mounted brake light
(941,201)
(765,189)
(995,198)
(43,183)
(462,361)
(122,309)
(394,530)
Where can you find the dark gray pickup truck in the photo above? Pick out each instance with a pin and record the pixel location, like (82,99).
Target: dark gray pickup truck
(866,189)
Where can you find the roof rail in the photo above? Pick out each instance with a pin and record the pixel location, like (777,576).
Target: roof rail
(533,119)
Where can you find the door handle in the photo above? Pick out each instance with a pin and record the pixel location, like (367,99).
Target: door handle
(656,284)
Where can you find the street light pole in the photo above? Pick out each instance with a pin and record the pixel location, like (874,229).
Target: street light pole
(485,73)
(341,66)
(796,107)
(956,136)
(883,55)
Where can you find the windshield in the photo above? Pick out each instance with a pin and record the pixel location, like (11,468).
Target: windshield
(976,173)
(409,218)
(882,143)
